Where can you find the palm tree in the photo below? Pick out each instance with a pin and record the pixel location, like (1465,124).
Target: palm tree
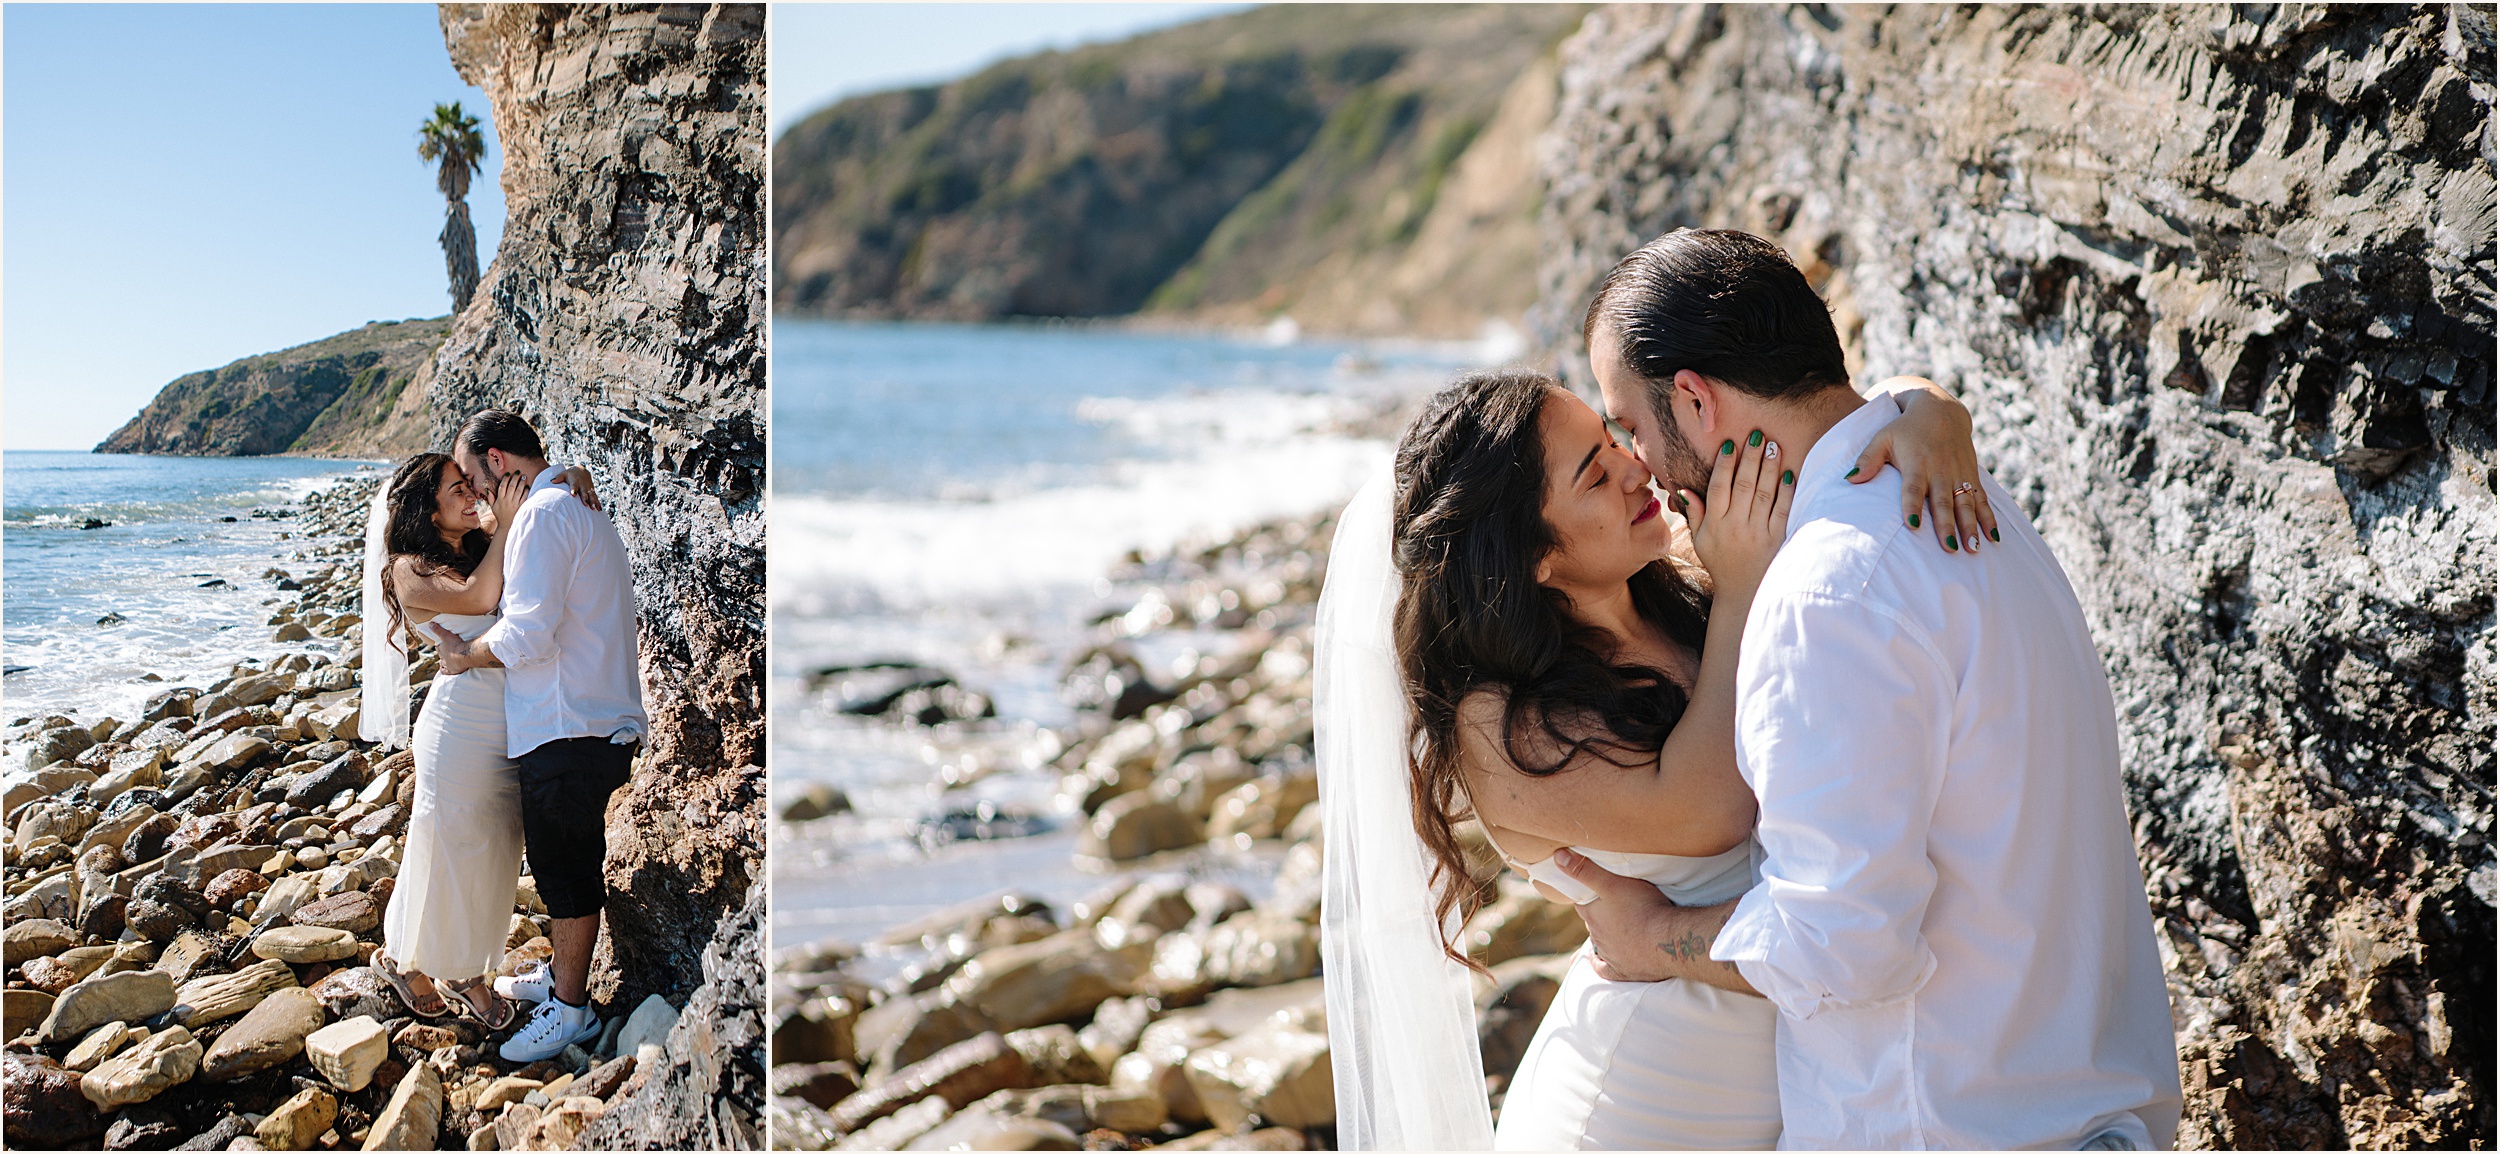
(452,142)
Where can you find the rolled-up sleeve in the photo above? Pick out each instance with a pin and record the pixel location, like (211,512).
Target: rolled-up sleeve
(536,568)
(1843,732)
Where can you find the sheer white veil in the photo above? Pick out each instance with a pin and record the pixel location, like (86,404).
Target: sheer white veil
(384,717)
(1401,1013)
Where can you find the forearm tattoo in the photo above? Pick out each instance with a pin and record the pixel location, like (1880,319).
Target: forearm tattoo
(1689,954)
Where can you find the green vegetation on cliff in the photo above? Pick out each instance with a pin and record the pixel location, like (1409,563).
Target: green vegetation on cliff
(332,397)
(1232,168)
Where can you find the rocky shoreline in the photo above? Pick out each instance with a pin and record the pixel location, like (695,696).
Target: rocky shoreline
(194,896)
(1159,1012)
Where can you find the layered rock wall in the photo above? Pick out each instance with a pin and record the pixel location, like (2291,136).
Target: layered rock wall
(2218,284)
(624,315)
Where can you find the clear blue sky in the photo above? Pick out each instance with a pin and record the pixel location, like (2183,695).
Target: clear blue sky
(824,52)
(186,185)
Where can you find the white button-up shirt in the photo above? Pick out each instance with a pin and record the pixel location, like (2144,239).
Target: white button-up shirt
(1951,919)
(567,635)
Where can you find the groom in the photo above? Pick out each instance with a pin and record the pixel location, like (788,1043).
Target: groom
(572,707)
(1950,918)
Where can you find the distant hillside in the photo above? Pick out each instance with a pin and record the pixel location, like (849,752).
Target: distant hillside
(345,396)
(1362,168)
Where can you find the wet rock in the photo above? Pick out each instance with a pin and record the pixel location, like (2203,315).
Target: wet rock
(270,1035)
(1251,949)
(1134,825)
(299,1121)
(348,1052)
(961,1074)
(157,1063)
(354,911)
(815,800)
(303,945)
(1157,1066)
(58,744)
(44,1107)
(210,999)
(41,937)
(1281,1076)
(124,997)
(410,1120)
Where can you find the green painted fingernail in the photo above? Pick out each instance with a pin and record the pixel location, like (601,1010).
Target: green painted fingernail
(1914,520)
(1951,543)
(1853,471)
(1727,448)
(1992,535)
(1754,440)
(1788,476)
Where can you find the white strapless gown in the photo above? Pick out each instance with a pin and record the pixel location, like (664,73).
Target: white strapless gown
(452,906)
(1650,1065)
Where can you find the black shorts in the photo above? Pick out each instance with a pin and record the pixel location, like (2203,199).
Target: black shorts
(564,819)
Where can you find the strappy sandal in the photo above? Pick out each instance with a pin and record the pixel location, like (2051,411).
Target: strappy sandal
(388,967)
(460,1004)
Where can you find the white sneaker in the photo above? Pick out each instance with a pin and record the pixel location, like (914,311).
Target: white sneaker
(533,982)
(553,1027)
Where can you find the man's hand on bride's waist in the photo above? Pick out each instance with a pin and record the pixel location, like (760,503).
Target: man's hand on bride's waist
(460,656)
(1637,935)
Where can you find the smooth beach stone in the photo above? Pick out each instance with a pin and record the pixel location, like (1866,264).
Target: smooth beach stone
(100,1043)
(54,819)
(1134,825)
(36,938)
(299,1121)
(157,1063)
(59,743)
(291,631)
(83,960)
(303,945)
(413,1116)
(1281,1075)
(1050,980)
(603,1080)
(347,1053)
(125,997)
(650,1023)
(218,859)
(270,1035)
(507,1089)
(353,911)
(316,788)
(203,1000)
(961,1074)
(236,750)
(23,1010)
(130,770)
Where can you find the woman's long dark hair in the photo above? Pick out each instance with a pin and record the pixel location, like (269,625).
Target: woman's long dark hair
(409,531)
(1468,531)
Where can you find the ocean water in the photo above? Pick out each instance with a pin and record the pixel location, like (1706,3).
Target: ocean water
(167,538)
(958,496)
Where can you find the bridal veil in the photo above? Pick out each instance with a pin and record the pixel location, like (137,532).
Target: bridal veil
(1401,1013)
(384,717)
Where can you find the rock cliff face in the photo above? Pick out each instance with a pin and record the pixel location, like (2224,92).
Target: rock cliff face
(624,315)
(1311,160)
(332,397)
(2217,283)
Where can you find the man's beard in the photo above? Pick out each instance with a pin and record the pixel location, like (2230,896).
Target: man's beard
(1683,466)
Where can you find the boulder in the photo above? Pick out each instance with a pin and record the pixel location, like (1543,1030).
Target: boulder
(124,997)
(961,1074)
(44,1108)
(23,1010)
(354,911)
(1060,977)
(347,1053)
(1280,1075)
(37,938)
(649,1025)
(157,1063)
(302,945)
(271,1034)
(1134,825)
(299,1121)
(210,999)
(411,1119)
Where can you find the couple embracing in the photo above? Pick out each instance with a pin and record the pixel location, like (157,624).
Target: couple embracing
(507,566)
(1833,782)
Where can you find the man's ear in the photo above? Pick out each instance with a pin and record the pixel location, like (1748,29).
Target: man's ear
(1697,401)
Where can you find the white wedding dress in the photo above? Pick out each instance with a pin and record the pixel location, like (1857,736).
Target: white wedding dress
(1673,1065)
(452,907)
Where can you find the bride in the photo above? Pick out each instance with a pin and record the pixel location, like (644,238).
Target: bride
(1505,636)
(433,554)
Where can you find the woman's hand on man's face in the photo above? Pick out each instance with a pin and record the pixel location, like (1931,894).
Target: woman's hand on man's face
(1739,527)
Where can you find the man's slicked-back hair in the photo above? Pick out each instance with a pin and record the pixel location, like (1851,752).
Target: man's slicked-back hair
(1726,304)
(501,429)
